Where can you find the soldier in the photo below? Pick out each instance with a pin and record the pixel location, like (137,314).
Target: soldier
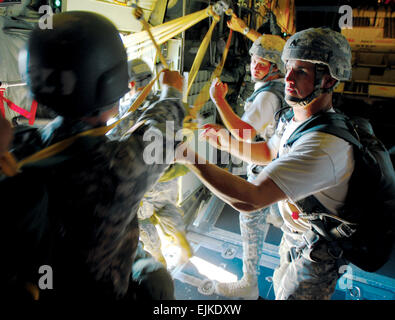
(140,75)
(160,204)
(79,69)
(267,71)
(318,164)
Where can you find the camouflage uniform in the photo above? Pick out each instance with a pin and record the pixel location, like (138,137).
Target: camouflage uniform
(305,274)
(267,47)
(307,269)
(161,200)
(124,105)
(94,199)
(260,108)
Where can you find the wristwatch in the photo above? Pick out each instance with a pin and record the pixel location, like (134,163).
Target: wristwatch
(246,30)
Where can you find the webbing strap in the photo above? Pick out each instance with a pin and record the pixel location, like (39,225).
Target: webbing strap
(334,124)
(8,162)
(204,94)
(199,57)
(328,122)
(160,34)
(11,167)
(166,31)
(139,15)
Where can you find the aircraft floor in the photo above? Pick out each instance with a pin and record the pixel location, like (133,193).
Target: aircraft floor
(190,279)
(218,252)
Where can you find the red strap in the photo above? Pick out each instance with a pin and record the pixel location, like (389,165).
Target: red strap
(29,115)
(33,110)
(1,103)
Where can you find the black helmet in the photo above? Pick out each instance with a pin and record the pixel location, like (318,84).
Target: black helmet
(77,68)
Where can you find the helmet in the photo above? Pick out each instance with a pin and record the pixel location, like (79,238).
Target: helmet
(140,72)
(269,47)
(77,68)
(321,46)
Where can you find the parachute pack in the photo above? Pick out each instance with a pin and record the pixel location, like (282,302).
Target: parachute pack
(364,234)
(26,236)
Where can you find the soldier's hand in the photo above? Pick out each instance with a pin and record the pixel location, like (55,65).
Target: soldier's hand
(218,90)
(6,135)
(217,136)
(236,24)
(172,79)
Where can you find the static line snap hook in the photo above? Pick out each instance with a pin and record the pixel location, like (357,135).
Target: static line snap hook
(138,13)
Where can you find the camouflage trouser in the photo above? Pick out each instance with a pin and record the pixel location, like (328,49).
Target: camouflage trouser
(305,273)
(161,201)
(251,228)
(170,220)
(252,235)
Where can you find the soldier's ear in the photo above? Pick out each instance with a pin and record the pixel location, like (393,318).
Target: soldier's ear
(329,82)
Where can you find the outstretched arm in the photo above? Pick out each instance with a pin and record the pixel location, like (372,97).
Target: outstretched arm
(255,152)
(237,192)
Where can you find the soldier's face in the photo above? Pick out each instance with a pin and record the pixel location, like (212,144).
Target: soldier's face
(299,78)
(259,67)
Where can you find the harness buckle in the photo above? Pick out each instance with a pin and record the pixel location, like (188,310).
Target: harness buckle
(345,230)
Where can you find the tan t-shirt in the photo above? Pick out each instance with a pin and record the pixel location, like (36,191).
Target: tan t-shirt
(317,164)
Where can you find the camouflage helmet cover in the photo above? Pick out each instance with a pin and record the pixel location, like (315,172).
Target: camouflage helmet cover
(321,46)
(269,47)
(139,72)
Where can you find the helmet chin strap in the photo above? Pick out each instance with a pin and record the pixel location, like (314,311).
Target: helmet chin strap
(303,102)
(269,74)
(317,91)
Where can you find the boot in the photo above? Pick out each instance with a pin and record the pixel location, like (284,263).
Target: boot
(252,239)
(246,288)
